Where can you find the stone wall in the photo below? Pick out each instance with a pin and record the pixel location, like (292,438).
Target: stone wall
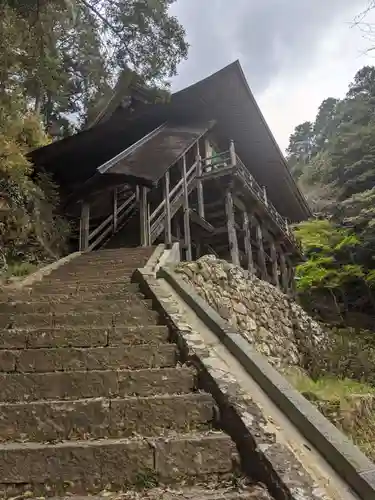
(273,323)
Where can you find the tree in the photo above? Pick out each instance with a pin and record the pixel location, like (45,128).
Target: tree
(64,63)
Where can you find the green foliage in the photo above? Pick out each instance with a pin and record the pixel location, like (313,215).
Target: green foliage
(30,229)
(337,175)
(327,248)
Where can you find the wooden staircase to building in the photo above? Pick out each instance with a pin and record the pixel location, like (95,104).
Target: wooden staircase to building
(93,396)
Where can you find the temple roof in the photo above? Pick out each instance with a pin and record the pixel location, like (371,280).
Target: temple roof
(224,97)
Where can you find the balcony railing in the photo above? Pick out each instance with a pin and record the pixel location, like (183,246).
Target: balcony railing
(230,160)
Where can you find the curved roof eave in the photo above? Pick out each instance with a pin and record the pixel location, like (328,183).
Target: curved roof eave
(226,97)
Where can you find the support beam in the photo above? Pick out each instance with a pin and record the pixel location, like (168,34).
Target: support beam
(143,211)
(284,271)
(199,184)
(232,153)
(84,227)
(187,236)
(168,225)
(232,235)
(261,256)
(115,208)
(275,270)
(247,242)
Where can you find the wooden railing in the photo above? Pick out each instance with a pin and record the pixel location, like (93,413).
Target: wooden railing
(92,240)
(158,216)
(229,159)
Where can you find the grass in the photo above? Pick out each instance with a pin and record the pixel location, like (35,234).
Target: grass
(347,403)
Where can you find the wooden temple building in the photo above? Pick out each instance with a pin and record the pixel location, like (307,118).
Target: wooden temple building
(202,169)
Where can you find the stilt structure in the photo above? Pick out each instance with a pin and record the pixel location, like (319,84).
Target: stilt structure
(202,169)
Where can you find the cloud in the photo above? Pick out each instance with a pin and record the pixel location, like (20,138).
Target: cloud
(269,37)
(294,53)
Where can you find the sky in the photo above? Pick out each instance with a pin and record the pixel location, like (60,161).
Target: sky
(294,53)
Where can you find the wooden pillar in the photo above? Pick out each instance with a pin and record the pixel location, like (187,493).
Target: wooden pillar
(84,227)
(275,269)
(247,241)
(199,184)
(232,236)
(115,207)
(187,236)
(261,255)
(168,226)
(284,271)
(143,211)
(232,154)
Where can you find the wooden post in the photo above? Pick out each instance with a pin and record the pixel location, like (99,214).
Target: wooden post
(232,153)
(232,236)
(275,273)
(284,271)
(149,242)
(261,256)
(168,227)
(143,216)
(187,236)
(247,241)
(84,227)
(199,184)
(115,209)
(265,196)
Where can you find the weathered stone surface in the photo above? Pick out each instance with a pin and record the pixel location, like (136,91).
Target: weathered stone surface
(7,361)
(102,417)
(194,455)
(151,416)
(80,461)
(70,385)
(272,322)
(80,289)
(137,315)
(55,420)
(46,307)
(156,381)
(92,358)
(138,334)
(67,337)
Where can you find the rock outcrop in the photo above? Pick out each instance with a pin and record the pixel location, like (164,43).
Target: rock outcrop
(271,321)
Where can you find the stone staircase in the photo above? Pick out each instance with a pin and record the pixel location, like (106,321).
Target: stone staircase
(94,400)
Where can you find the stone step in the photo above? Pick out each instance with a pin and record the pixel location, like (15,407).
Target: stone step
(136,315)
(17,387)
(87,358)
(73,306)
(83,290)
(54,297)
(206,492)
(82,336)
(103,417)
(140,252)
(94,268)
(89,466)
(92,272)
(86,280)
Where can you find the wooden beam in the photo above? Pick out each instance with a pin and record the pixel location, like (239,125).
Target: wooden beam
(232,235)
(232,154)
(167,225)
(115,209)
(261,255)
(143,211)
(84,227)
(187,236)
(284,271)
(200,184)
(247,242)
(275,270)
